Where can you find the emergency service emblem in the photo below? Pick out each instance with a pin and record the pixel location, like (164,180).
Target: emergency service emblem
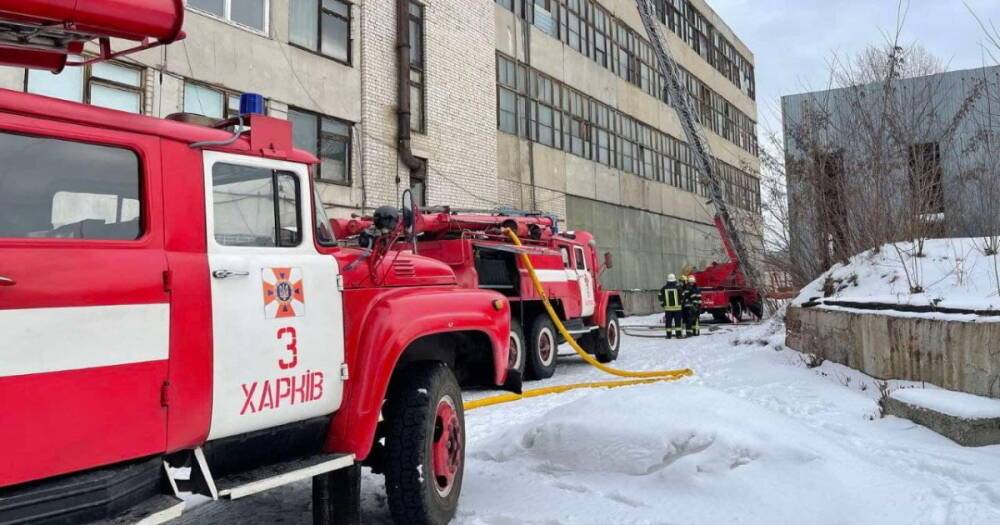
(284,295)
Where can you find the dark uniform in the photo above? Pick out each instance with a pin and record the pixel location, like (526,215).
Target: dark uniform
(694,315)
(685,304)
(670,299)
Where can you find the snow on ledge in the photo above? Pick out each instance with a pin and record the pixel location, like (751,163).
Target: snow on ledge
(950,274)
(956,404)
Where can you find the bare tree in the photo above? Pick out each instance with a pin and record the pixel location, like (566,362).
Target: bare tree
(864,158)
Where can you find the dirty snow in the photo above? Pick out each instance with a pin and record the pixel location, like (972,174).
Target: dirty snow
(958,404)
(756,437)
(953,273)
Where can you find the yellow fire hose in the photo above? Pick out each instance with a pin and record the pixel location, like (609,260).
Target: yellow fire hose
(639,377)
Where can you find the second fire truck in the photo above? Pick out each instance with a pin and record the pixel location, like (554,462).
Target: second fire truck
(481,255)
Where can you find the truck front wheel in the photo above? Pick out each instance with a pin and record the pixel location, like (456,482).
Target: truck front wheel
(425,446)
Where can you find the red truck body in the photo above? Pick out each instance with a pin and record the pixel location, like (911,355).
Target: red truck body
(124,346)
(482,256)
(724,289)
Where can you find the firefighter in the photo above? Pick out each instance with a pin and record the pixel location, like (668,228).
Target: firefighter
(685,293)
(670,299)
(694,314)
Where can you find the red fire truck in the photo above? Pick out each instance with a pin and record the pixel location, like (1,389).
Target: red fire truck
(171,296)
(724,290)
(482,257)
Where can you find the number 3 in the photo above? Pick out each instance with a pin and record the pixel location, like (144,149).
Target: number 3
(291,347)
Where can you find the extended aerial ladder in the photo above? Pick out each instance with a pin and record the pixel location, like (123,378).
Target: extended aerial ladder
(680,100)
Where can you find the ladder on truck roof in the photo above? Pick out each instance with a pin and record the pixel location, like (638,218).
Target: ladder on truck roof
(679,99)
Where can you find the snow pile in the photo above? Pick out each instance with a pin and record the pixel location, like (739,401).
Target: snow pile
(952,273)
(957,404)
(688,429)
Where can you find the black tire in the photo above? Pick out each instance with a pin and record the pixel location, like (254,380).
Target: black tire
(608,340)
(543,346)
(757,309)
(516,361)
(737,308)
(425,436)
(720,316)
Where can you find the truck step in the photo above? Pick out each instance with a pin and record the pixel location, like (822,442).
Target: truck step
(158,509)
(271,476)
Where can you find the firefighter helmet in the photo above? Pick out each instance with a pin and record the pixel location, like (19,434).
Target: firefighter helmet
(691,279)
(671,278)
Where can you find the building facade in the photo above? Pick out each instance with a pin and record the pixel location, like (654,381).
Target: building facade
(550,105)
(917,158)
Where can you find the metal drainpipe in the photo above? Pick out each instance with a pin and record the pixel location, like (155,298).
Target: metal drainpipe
(526,31)
(415,165)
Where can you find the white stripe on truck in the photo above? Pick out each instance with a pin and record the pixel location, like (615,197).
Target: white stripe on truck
(40,340)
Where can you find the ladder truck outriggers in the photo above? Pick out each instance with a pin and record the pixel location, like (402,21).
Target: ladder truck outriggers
(475,247)
(728,289)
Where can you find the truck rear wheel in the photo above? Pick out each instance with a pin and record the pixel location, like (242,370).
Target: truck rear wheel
(543,345)
(516,358)
(425,447)
(608,340)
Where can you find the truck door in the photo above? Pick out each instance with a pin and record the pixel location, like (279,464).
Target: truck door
(586,280)
(277,312)
(84,315)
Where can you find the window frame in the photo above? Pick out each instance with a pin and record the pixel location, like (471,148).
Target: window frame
(88,77)
(276,172)
(318,175)
(421,85)
(226,94)
(227,12)
(320,13)
(580,259)
(147,209)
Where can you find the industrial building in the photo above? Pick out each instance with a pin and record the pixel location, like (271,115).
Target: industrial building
(936,157)
(550,105)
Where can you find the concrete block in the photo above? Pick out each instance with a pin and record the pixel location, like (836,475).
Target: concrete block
(967,432)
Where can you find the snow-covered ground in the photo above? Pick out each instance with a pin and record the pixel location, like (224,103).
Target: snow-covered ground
(756,437)
(952,273)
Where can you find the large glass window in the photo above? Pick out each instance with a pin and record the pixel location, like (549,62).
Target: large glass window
(327,138)
(107,84)
(249,13)
(323,26)
(58,189)
(255,207)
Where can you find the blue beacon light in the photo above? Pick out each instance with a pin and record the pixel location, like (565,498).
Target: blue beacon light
(251,104)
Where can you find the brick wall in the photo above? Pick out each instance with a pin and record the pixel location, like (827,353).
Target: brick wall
(461,138)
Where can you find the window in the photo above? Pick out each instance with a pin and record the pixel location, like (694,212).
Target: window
(248,13)
(210,102)
(925,178)
(57,189)
(324,232)
(506,4)
(418,186)
(581,263)
(564,250)
(323,26)
(107,84)
(327,138)
(255,207)
(418,88)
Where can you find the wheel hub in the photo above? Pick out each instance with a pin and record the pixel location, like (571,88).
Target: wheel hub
(514,354)
(545,347)
(447,446)
(613,335)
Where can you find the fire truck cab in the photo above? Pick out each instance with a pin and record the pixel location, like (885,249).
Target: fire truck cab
(172,296)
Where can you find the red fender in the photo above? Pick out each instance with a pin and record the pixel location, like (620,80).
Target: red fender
(601,308)
(380,335)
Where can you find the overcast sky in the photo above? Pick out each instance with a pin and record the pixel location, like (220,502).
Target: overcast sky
(793,40)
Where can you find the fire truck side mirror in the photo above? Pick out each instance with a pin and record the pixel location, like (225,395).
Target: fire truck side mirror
(408,212)
(609,261)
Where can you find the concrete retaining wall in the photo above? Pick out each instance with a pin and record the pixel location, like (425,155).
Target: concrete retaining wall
(962,356)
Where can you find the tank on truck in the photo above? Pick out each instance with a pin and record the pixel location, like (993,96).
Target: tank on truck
(680,100)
